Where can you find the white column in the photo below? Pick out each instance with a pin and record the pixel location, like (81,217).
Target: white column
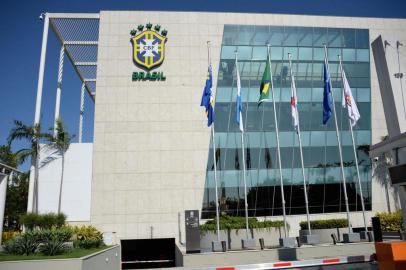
(3,193)
(59,87)
(82,111)
(38,104)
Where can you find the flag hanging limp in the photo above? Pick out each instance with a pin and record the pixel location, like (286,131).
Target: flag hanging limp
(349,102)
(265,82)
(239,103)
(207,98)
(327,99)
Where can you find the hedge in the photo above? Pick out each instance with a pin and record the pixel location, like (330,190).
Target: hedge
(236,223)
(43,221)
(391,222)
(325,224)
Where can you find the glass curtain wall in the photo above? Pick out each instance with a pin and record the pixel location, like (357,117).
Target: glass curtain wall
(320,150)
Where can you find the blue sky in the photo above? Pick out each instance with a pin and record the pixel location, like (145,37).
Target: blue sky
(21,33)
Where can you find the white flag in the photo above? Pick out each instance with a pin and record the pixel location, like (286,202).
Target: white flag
(293,103)
(239,102)
(349,102)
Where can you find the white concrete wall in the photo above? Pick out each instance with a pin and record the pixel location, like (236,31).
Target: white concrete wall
(76,183)
(151,142)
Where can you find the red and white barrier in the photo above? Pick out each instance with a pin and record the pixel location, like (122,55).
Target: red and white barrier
(289,264)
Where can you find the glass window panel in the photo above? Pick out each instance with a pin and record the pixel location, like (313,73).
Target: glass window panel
(318,54)
(334,37)
(305,136)
(277,35)
(259,53)
(261,35)
(291,36)
(227,52)
(317,94)
(276,53)
(253,94)
(317,138)
(286,94)
(230,34)
(254,118)
(269,140)
(233,140)
(363,55)
(305,54)
(305,36)
(333,56)
(348,55)
(244,53)
(221,140)
(348,38)
(230,179)
(346,138)
(362,38)
(331,138)
(254,139)
(292,50)
(221,111)
(245,34)
(304,94)
(363,137)
(363,94)
(319,36)
(223,94)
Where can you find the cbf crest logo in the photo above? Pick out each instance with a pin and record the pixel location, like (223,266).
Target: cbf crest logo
(148,46)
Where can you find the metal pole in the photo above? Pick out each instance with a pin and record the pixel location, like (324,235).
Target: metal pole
(356,157)
(59,87)
(300,149)
(37,117)
(339,146)
(278,146)
(82,111)
(214,160)
(243,165)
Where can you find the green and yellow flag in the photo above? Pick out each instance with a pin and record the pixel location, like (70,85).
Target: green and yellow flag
(265,82)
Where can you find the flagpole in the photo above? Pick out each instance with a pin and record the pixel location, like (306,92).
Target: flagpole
(339,145)
(243,164)
(214,161)
(301,151)
(277,144)
(355,156)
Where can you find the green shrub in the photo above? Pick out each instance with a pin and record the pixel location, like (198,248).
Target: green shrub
(87,237)
(8,235)
(43,221)
(30,220)
(391,222)
(53,241)
(325,224)
(27,243)
(236,223)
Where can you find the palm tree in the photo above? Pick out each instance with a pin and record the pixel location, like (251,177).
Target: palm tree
(33,135)
(61,143)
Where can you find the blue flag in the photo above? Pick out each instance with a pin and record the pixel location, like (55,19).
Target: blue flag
(207,98)
(327,99)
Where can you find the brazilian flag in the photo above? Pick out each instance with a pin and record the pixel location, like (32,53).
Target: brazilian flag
(265,82)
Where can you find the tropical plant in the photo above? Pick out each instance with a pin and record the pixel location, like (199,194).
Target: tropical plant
(26,243)
(87,237)
(7,156)
(53,241)
(61,142)
(391,222)
(33,135)
(8,235)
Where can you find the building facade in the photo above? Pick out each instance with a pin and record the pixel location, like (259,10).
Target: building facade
(152,156)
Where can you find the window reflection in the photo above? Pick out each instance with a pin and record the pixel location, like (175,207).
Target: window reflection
(320,150)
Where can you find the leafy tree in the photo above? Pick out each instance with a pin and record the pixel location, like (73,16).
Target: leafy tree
(7,157)
(61,143)
(33,135)
(16,201)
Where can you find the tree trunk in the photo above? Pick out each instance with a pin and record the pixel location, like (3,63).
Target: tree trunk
(61,185)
